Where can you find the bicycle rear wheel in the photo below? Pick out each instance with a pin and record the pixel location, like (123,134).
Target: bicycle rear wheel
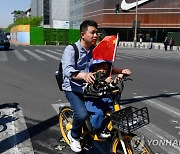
(65,122)
(142,148)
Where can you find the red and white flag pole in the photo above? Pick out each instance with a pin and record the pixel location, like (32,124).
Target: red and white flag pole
(114,53)
(115,48)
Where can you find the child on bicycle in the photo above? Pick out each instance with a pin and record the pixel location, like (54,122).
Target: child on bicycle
(98,101)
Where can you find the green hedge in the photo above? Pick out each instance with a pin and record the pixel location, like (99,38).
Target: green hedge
(36,36)
(50,36)
(55,36)
(175,36)
(74,35)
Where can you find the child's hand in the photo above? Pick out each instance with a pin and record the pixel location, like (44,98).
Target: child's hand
(108,79)
(116,80)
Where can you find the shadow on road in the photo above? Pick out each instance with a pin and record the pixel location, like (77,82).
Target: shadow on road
(135,100)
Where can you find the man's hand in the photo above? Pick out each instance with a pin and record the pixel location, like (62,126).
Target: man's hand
(89,78)
(126,72)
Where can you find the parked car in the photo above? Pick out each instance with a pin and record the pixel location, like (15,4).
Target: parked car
(4,41)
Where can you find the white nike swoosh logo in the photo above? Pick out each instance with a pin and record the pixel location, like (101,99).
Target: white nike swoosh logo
(127,6)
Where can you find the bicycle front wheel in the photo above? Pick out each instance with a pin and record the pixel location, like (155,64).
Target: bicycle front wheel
(3,127)
(65,122)
(130,142)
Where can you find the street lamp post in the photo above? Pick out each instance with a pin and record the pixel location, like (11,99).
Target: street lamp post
(135,33)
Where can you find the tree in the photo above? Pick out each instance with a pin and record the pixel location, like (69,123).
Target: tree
(32,21)
(17,12)
(9,27)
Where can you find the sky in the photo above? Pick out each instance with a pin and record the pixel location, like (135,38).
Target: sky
(8,6)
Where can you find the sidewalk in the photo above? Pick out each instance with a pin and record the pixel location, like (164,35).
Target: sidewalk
(144,45)
(18,43)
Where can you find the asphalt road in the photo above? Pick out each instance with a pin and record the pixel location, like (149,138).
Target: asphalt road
(29,97)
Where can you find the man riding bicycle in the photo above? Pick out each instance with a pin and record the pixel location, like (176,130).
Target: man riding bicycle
(76,76)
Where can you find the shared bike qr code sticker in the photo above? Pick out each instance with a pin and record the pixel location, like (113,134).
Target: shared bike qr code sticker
(137,143)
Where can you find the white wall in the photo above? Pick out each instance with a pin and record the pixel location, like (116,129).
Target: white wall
(60,10)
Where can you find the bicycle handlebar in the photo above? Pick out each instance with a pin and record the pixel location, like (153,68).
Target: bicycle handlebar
(121,81)
(100,87)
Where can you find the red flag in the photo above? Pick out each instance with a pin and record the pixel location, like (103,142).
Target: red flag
(106,49)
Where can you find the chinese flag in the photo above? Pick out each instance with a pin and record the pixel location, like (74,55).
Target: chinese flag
(106,49)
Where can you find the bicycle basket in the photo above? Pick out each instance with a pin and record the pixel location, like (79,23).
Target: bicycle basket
(130,119)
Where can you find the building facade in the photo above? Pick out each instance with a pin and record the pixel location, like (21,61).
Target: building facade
(76,13)
(156,17)
(55,13)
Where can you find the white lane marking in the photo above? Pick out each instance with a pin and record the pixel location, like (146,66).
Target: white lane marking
(58,50)
(165,56)
(160,136)
(174,95)
(162,107)
(177,96)
(47,54)
(26,146)
(154,133)
(146,54)
(20,56)
(34,55)
(151,55)
(175,56)
(3,56)
(132,54)
(137,55)
(15,126)
(118,57)
(123,56)
(54,52)
(10,131)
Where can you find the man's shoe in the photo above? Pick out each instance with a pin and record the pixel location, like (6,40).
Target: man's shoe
(74,143)
(104,134)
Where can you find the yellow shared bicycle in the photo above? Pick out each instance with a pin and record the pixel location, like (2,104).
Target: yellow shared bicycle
(121,124)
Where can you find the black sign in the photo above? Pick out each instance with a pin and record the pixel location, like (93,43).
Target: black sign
(134,23)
